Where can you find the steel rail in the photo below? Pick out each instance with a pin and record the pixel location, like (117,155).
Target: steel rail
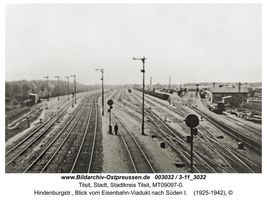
(30,144)
(234,155)
(230,131)
(227,150)
(184,148)
(175,137)
(94,139)
(76,115)
(62,110)
(75,164)
(151,168)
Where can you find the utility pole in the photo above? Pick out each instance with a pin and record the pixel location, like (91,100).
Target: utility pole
(68,87)
(57,87)
(47,77)
(102,79)
(74,76)
(143,104)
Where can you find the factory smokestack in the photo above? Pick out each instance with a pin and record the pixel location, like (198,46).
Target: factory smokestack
(239,87)
(170,83)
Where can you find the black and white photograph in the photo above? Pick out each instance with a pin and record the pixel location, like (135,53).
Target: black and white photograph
(133,88)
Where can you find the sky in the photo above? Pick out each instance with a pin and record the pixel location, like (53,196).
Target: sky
(189,42)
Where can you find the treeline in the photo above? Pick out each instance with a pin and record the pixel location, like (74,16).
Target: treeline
(18,91)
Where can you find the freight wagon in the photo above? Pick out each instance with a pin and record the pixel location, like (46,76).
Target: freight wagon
(155,94)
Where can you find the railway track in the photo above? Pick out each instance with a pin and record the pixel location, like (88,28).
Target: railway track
(42,127)
(203,164)
(23,118)
(256,146)
(248,127)
(139,159)
(233,160)
(84,158)
(30,150)
(64,157)
(151,101)
(23,153)
(111,94)
(175,141)
(26,143)
(57,148)
(44,158)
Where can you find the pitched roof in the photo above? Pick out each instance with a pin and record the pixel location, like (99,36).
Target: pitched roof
(228,90)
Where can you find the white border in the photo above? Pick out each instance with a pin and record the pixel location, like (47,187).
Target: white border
(20,186)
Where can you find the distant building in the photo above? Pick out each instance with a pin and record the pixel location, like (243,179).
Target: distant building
(237,95)
(33,98)
(256,96)
(258,93)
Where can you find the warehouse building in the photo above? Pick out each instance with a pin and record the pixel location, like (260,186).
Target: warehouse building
(233,96)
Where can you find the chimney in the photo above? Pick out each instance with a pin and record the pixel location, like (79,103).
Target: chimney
(151,83)
(239,87)
(170,82)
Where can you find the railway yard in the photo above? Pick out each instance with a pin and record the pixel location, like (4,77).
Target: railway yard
(64,137)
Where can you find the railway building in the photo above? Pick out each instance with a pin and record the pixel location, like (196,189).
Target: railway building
(34,98)
(238,95)
(31,100)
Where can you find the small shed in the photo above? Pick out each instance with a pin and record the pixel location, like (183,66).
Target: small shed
(34,98)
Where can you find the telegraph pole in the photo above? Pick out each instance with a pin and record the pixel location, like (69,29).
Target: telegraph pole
(47,77)
(57,87)
(74,76)
(68,87)
(143,104)
(102,79)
